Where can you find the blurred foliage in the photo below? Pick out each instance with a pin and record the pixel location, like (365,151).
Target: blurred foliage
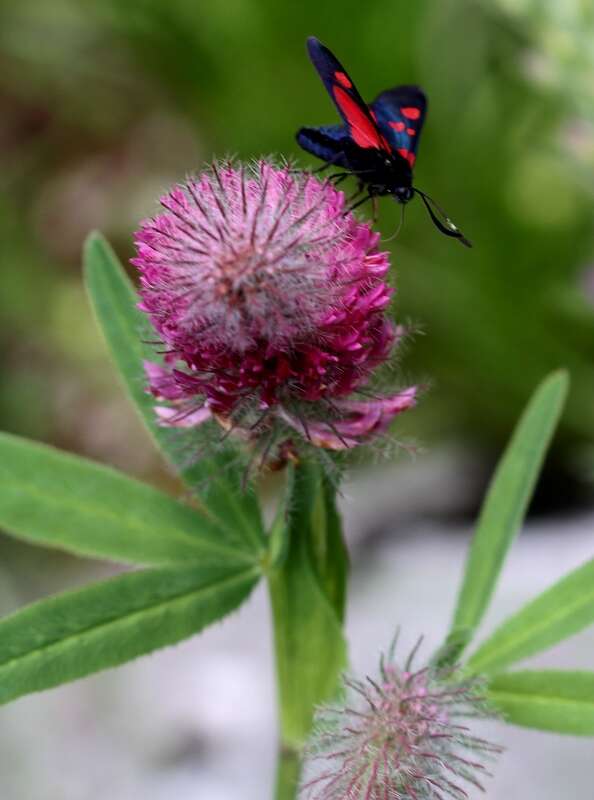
(105,103)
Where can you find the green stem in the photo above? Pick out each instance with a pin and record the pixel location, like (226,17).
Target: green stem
(306,583)
(288,769)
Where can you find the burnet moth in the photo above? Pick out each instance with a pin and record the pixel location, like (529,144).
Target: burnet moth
(377,143)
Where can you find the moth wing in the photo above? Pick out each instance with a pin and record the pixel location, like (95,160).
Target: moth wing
(357,116)
(400,114)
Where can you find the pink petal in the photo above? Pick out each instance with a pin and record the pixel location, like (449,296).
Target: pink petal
(162,382)
(363,419)
(176,418)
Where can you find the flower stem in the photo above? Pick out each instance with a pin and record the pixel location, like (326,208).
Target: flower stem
(288,769)
(288,766)
(307,586)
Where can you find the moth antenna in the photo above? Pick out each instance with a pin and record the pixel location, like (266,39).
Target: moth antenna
(399,228)
(445,224)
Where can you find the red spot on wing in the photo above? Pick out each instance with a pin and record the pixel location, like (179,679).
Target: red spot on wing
(411,131)
(410,157)
(410,112)
(363,131)
(343,79)
(398,126)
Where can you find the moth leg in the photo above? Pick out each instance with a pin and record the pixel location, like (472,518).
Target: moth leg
(375,207)
(359,203)
(338,177)
(357,192)
(318,170)
(326,165)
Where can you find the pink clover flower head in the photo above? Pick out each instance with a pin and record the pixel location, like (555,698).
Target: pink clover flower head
(271,303)
(401,736)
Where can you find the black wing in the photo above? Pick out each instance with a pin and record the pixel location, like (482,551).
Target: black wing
(327,142)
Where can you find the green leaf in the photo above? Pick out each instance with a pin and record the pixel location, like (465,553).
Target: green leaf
(564,609)
(278,533)
(314,511)
(108,623)
(215,477)
(505,507)
(550,700)
(307,603)
(60,500)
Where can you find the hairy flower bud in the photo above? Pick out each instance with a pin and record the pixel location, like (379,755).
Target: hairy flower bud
(271,303)
(400,737)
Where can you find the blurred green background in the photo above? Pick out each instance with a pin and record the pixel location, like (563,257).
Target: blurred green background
(103,104)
